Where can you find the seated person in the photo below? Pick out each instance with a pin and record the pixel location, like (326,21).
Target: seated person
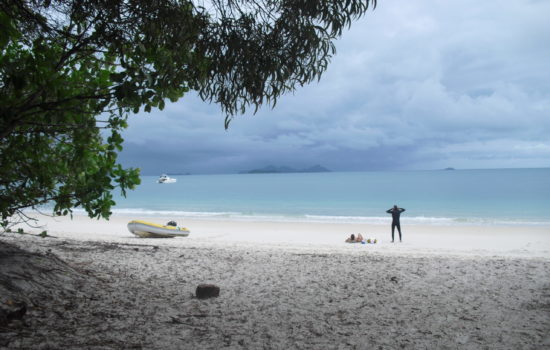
(353,239)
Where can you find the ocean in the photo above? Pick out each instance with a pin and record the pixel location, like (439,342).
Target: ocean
(438,197)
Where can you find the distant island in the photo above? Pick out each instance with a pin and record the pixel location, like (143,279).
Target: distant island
(271,169)
(449,169)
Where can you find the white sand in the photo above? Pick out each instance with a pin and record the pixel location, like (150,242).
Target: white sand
(509,241)
(291,285)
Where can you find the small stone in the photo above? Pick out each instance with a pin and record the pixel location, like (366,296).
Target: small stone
(11,311)
(3,316)
(207,291)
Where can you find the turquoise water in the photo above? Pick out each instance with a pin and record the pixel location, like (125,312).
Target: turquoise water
(500,196)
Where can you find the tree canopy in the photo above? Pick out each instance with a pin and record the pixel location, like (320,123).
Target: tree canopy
(72,71)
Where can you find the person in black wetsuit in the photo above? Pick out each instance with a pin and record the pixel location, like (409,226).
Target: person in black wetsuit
(395,213)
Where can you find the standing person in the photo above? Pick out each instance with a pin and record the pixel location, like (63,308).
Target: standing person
(395,213)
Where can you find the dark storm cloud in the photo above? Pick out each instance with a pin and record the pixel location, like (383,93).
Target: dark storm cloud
(414,85)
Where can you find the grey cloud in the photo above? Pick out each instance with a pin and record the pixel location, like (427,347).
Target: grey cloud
(414,85)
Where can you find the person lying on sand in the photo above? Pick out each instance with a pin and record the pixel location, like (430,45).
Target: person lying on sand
(353,239)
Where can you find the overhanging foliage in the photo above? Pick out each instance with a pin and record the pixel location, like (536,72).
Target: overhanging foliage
(69,69)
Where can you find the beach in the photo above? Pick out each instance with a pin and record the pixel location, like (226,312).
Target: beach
(293,285)
(462,240)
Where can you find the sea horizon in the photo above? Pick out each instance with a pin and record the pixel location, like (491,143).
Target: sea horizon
(244,172)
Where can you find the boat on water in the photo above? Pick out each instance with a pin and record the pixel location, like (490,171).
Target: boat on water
(146,229)
(165,179)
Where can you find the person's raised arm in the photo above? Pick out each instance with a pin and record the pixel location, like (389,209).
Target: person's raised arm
(402,209)
(389,211)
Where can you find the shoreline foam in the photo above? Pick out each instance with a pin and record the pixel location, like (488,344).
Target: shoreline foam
(327,219)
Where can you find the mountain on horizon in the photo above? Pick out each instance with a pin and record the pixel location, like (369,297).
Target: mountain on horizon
(271,169)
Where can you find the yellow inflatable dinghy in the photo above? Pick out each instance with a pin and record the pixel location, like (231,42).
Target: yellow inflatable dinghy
(146,229)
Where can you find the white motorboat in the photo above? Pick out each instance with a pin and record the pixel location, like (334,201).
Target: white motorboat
(146,229)
(165,179)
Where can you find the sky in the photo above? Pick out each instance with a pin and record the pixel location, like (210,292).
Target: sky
(414,85)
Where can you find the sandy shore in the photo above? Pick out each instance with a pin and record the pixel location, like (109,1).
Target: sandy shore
(283,285)
(509,241)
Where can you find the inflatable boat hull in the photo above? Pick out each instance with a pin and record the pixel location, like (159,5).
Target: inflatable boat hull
(146,229)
